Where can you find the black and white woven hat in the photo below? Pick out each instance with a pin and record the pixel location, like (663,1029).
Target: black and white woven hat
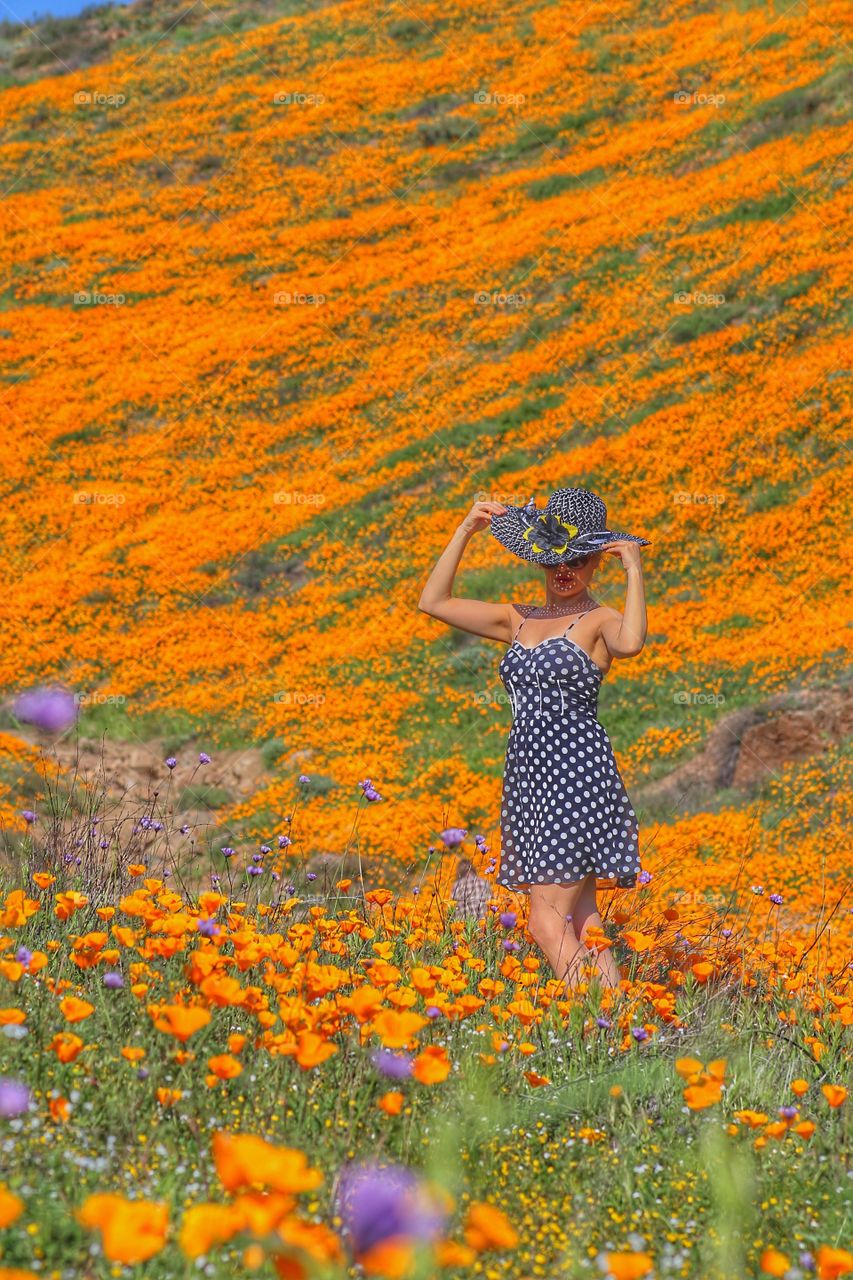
(573,524)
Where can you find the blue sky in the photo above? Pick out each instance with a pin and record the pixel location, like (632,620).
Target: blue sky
(26,10)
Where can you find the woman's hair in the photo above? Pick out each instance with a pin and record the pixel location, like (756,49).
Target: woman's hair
(464,867)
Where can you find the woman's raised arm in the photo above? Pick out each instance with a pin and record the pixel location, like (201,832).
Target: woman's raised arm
(480,617)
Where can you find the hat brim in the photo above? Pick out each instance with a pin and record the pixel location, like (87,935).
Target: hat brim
(509,529)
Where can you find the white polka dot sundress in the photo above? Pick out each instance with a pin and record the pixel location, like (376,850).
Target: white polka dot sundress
(564,807)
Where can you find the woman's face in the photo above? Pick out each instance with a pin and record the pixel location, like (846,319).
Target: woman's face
(566,580)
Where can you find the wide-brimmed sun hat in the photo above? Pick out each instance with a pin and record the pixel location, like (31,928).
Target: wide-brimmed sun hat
(573,524)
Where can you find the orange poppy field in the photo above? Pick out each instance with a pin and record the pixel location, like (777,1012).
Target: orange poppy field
(288,288)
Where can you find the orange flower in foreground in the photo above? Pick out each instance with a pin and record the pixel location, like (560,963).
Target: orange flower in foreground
(168,1097)
(244,1160)
(60,1109)
(66,1045)
(432,1065)
(393,1259)
(835,1094)
(699,1096)
(774,1263)
(205,1225)
(11,1207)
(68,903)
(391,1103)
(833,1262)
(75,1010)
(396,1030)
(638,941)
(131,1230)
(313,1049)
(178,1020)
(628,1266)
(313,1238)
(488,1228)
(224,1066)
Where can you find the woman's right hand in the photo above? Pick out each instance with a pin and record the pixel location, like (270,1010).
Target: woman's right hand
(480,515)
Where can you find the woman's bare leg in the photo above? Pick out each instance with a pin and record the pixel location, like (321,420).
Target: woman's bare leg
(551,906)
(586,913)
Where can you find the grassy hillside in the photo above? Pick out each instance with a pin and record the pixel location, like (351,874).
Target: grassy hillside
(282,301)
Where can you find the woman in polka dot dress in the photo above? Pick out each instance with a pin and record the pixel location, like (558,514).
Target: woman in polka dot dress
(566,817)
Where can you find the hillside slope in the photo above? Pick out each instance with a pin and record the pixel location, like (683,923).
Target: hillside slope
(282,302)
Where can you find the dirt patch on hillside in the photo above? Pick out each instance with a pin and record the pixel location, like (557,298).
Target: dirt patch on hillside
(748,746)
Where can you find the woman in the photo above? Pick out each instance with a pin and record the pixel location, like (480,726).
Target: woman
(565,814)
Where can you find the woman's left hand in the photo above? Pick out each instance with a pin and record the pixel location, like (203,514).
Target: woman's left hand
(627,552)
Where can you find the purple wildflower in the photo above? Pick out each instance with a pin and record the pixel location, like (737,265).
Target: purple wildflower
(508,919)
(394,1065)
(303,777)
(311,875)
(603,1022)
(208,928)
(49,709)
(23,956)
(509,945)
(453,836)
(203,757)
(377,1203)
(227,851)
(171,762)
(14,1097)
(776,898)
(255,871)
(788,1113)
(284,841)
(113,980)
(644,877)
(29,816)
(432,1011)
(639,1033)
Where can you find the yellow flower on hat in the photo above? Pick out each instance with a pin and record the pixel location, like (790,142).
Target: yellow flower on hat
(554,532)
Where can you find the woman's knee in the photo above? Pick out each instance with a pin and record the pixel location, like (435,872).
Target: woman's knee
(551,911)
